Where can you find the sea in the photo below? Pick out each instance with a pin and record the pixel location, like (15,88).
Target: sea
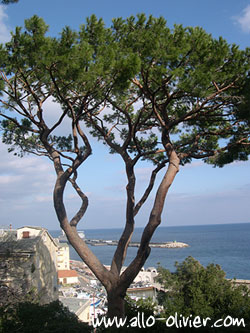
(227,245)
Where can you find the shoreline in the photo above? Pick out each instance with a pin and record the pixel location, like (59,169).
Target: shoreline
(82,265)
(168,245)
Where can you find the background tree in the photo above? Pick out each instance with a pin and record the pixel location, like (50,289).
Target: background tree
(6,2)
(203,291)
(147,92)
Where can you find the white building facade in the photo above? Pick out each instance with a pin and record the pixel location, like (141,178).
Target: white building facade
(63,260)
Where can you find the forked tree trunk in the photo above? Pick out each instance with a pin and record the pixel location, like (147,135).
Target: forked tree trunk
(116,304)
(116,283)
(118,291)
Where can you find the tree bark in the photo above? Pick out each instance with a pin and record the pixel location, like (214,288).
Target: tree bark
(116,303)
(121,250)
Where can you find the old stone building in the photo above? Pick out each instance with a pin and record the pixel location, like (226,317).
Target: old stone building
(28,262)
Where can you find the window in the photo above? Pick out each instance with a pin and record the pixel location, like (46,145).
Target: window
(26,234)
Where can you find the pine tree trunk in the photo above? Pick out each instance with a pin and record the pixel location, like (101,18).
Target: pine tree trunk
(116,304)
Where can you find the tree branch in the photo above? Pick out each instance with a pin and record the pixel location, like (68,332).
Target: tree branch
(121,250)
(134,267)
(149,188)
(78,216)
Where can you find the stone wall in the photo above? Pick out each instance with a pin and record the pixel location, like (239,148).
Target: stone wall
(46,280)
(25,266)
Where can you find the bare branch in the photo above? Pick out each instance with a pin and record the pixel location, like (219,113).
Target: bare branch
(199,106)
(85,139)
(149,188)
(36,98)
(58,122)
(78,216)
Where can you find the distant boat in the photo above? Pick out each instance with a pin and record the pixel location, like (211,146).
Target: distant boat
(63,239)
(81,234)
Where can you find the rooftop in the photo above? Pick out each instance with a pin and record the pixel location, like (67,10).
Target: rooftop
(63,245)
(67,273)
(41,232)
(32,227)
(141,288)
(75,304)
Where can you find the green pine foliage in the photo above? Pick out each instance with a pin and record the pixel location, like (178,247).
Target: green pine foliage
(152,79)
(6,2)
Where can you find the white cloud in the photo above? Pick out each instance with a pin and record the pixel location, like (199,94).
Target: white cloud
(4,30)
(244,19)
(23,178)
(5,179)
(26,187)
(45,198)
(52,112)
(28,164)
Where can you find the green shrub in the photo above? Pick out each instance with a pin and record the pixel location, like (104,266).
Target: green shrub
(27,317)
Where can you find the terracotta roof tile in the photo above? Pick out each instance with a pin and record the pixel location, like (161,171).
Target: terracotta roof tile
(67,273)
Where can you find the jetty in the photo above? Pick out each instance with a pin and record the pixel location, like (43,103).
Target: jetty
(102,242)
(168,245)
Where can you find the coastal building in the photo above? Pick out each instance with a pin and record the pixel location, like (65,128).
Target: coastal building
(67,276)
(28,259)
(29,232)
(146,276)
(63,261)
(239,282)
(142,293)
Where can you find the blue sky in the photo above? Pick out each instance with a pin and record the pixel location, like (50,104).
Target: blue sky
(200,193)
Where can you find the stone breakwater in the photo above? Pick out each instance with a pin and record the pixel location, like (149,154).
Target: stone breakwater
(168,245)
